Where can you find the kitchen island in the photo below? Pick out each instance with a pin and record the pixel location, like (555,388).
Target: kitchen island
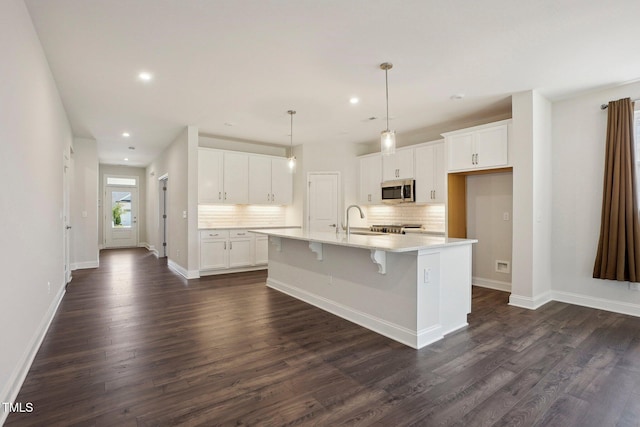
(411,288)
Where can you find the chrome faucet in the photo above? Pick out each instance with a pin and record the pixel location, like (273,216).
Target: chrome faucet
(361,216)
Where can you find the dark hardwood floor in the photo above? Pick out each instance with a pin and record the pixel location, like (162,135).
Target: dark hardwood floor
(135,344)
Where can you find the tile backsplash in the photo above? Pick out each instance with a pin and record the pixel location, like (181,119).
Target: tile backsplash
(212,216)
(430,216)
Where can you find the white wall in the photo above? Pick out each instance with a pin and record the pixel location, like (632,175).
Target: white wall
(35,133)
(121,170)
(329,157)
(84,204)
(579,129)
(177,162)
(530,156)
(489,197)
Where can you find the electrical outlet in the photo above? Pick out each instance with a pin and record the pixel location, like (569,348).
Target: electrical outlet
(48,287)
(505,216)
(427,275)
(177,253)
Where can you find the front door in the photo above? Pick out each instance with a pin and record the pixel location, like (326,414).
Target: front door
(121,217)
(323,201)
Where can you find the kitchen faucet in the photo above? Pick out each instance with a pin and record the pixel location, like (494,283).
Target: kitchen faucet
(361,216)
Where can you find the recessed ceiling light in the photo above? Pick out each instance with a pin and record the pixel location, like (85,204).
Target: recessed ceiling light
(145,76)
(457,96)
(126,134)
(354,100)
(126,159)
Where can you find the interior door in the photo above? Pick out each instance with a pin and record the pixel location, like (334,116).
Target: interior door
(121,217)
(323,201)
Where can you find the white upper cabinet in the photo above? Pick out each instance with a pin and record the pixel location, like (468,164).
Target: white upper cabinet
(370,179)
(430,173)
(398,165)
(480,147)
(236,178)
(259,180)
(223,177)
(210,177)
(281,182)
(270,181)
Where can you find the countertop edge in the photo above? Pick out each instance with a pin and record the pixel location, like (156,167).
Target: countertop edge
(410,247)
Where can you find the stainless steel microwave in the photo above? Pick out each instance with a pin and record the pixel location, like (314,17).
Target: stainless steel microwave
(399,191)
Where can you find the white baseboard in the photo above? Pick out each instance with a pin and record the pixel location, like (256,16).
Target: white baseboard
(491,284)
(395,332)
(529,302)
(84,265)
(10,392)
(597,303)
(187,274)
(150,248)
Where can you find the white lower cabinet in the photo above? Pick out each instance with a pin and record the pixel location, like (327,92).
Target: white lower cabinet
(224,251)
(240,249)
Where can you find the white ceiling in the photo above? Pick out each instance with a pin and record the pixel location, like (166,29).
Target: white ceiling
(246,62)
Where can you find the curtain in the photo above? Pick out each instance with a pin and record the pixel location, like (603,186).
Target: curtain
(618,256)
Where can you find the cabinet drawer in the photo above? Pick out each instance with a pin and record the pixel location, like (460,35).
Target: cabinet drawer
(239,233)
(214,234)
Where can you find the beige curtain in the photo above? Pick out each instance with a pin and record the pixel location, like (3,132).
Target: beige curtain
(618,255)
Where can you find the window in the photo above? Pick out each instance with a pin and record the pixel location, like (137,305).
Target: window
(121,181)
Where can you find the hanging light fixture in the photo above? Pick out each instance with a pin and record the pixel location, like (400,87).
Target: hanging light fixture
(292,158)
(387,137)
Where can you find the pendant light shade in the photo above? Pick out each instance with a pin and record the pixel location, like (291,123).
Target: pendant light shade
(292,159)
(387,136)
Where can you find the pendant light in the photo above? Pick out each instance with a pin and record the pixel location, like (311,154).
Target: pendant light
(387,137)
(292,158)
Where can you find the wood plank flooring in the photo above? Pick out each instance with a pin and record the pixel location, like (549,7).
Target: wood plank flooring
(134,344)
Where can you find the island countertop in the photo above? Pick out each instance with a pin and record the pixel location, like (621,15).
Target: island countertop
(383,242)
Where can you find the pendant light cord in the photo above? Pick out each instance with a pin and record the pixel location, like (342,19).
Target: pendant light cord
(386,84)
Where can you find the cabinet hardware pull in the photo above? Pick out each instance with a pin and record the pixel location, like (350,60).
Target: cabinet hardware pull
(225,195)
(225,245)
(273,197)
(219,195)
(230,245)
(268,197)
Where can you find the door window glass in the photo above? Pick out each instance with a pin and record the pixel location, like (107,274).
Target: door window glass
(121,209)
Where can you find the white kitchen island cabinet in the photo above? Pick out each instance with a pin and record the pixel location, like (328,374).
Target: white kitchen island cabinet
(411,288)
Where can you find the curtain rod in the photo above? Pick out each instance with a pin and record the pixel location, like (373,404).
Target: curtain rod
(605,106)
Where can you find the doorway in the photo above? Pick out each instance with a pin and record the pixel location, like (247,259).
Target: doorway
(66,223)
(121,212)
(322,201)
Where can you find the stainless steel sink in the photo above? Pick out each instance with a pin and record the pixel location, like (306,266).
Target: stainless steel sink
(368,233)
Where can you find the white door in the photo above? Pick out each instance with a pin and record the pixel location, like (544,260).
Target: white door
(323,201)
(121,217)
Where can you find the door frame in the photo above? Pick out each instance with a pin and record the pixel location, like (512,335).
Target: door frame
(307,216)
(107,205)
(163,223)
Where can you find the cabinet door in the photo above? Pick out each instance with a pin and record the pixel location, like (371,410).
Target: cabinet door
(281,182)
(398,165)
(210,176)
(213,254)
(461,151)
(389,167)
(404,163)
(262,250)
(370,179)
(439,174)
(259,180)
(425,174)
(240,252)
(491,147)
(236,178)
